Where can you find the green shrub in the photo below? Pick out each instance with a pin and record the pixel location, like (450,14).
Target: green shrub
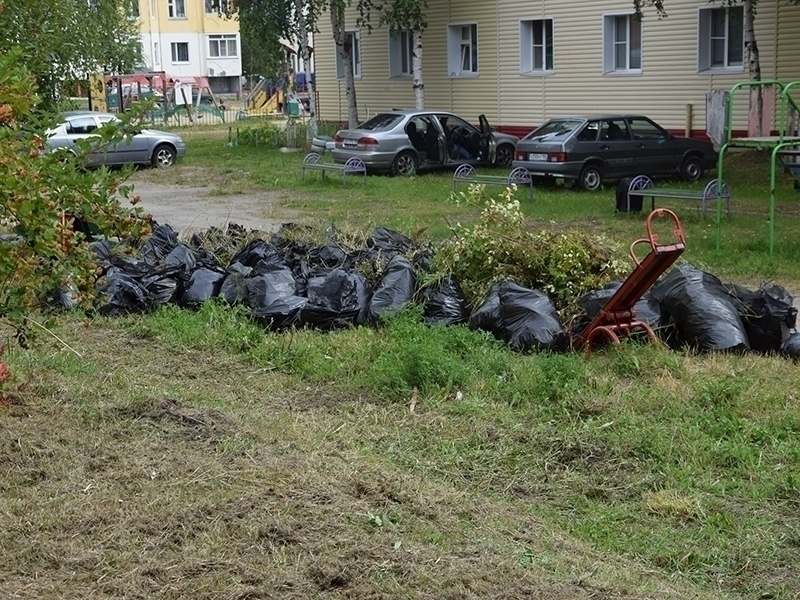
(564,263)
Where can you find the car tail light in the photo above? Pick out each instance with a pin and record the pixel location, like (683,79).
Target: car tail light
(519,156)
(368,141)
(557,157)
(338,138)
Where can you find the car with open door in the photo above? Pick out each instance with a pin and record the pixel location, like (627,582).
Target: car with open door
(590,150)
(405,142)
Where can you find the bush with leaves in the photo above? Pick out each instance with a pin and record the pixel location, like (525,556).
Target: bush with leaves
(42,195)
(499,245)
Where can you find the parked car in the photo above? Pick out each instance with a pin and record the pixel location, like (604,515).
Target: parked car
(147,146)
(590,150)
(407,141)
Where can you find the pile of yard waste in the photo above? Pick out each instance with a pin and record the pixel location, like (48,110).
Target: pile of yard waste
(286,283)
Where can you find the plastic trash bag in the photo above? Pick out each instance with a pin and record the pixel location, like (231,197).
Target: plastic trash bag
(162,241)
(122,294)
(337,299)
(328,257)
(768,315)
(283,312)
(162,287)
(701,310)
(445,303)
(203,284)
(397,286)
(234,288)
(182,257)
(261,256)
(264,289)
(791,346)
(525,318)
(390,241)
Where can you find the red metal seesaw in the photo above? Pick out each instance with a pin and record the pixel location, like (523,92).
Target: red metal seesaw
(617,318)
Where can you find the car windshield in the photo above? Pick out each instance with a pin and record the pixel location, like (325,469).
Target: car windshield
(381,121)
(557,128)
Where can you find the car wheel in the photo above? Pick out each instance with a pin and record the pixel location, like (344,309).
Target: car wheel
(504,156)
(163,156)
(692,169)
(404,164)
(591,178)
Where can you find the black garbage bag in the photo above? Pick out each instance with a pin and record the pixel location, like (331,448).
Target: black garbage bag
(622,197)
(234,288)
(261,256)
(183,258)
(647,309)
(328,257)
(445,302)
(389,241)
(335,300)
(768,315)
(488,316)
(264,289)
(281,313)
(163,287)
(396,287)
(121,294)
(160,243)
(203,284)
(701,310)
(61,299)
(791,346)
(525,318)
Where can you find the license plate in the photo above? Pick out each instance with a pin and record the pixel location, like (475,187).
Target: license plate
(350,143)
(533,156)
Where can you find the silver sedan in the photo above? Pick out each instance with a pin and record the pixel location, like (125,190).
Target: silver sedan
(148,146)
(407,141)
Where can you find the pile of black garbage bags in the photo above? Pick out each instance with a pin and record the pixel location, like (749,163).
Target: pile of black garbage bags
(285,283)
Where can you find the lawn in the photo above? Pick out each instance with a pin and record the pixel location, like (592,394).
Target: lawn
(192,454)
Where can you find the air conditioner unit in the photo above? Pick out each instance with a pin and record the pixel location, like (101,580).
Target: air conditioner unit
(210,72)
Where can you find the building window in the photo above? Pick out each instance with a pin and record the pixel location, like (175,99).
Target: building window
(176,9)
(622,44)
(180,52)
(721,38)
(222,46)
(536,46)
(134,6)
(156,54)
(354,40)
(401,52)
(462,50)
(223,7)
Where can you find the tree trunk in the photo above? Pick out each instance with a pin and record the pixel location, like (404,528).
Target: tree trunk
(306,56)
(345,51)
(753,65)
(416,70)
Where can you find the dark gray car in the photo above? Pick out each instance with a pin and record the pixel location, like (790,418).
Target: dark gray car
(407,141)
(590,150)
(148,146)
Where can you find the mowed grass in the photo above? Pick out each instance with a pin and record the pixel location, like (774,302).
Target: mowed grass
(194,454)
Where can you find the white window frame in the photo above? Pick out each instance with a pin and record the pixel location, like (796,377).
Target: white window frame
(173,47)
(705,60)
(528,63)
(225,40)
(616,38)
(156,54)
(355,55)
(176,9)
(401,53)
(462,50)
(224,7)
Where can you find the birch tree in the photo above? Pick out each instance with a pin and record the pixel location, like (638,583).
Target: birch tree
(409,15)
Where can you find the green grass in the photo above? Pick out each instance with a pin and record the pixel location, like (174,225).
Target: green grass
(190,453)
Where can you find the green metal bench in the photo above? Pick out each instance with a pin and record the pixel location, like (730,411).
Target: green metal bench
(520,176)
(642,185)
(354,166)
